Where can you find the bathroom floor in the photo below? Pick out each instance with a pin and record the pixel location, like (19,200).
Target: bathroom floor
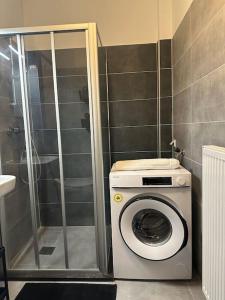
(138,290)
(81,249)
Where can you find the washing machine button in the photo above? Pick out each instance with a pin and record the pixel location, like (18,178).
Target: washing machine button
(180,181)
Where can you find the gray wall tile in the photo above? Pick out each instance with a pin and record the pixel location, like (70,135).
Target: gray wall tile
(165,54)
(182,38)
(133,86)
(182,106)
(166,110)
(202,105)
(208,97)
(133,113)
(165,82)
(131,58)
(134,139)
(182,73)
(182,133)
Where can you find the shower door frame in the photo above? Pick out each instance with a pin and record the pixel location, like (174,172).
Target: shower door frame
(90,30)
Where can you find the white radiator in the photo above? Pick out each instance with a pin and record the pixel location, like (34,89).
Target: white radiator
(213,225)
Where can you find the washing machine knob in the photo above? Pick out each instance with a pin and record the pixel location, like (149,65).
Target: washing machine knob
(180,181)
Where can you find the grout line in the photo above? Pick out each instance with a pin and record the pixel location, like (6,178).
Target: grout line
(133,126)
(199,123)
(132,72)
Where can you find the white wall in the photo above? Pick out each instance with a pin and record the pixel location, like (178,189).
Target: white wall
(180,7)
(11,13)
(120,22)
(165,19)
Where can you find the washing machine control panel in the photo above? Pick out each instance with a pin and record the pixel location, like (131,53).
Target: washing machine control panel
(153,179)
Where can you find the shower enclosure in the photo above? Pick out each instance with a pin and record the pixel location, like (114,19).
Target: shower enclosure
(54,138)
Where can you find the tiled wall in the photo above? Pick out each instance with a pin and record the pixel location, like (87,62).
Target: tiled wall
(133,100)
(15,207)
(199,93)
(165,97)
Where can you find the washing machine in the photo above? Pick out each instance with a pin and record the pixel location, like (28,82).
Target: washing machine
(151,224)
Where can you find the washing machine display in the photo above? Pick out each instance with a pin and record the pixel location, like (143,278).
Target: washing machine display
(152,228)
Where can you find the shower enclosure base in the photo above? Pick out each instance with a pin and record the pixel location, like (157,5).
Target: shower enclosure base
(81,250)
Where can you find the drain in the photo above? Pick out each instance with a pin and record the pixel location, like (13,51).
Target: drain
(46,250)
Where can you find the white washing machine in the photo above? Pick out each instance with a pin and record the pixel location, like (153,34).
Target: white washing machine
(151,224)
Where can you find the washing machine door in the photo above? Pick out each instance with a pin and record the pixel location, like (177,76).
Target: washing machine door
(152,228)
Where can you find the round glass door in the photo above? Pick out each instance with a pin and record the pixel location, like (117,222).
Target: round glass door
(152,228)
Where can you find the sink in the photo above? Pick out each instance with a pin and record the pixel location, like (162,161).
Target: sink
(7,184)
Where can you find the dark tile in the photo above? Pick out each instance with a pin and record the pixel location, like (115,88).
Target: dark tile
(131,58)
(129,139)
(166,82)
(73,88)
(49,191)
(77,165)
(165,54)
(68,61)
(79,190)
(51,214)
(133,86)
(166,137)
(48,170)
(166,154)
(72,115)
(42,59)
(103,82)
(136,113)
(7,117)
(104,107)
(71,61)
(182,107)
(76,141)
(116,156)
(76,190)
(70,89)
(80,214)
(166,110)
(102,60)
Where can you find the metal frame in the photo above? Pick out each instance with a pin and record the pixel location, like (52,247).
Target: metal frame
(96,140)
(96,145)
(28,137)
(62,188)
(44,29)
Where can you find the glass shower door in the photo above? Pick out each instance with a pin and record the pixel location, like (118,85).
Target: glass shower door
(75,130)
(58,82)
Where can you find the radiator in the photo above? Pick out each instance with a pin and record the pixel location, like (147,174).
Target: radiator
(213,222)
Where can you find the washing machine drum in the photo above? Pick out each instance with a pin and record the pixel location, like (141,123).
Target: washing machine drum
(152,228)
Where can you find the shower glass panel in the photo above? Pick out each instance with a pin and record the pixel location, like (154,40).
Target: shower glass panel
(51,139)
(16,215)
(74,114)
(45,159)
